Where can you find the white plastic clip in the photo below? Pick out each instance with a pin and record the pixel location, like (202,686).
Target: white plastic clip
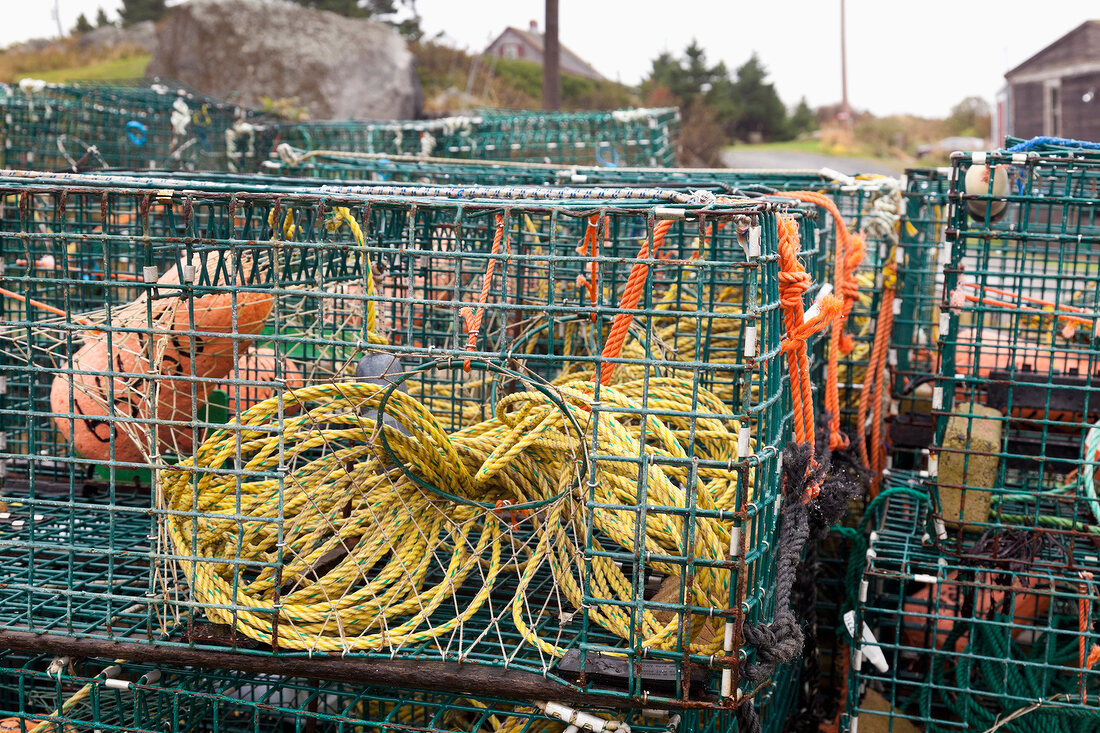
(750,342)
(937,398)
(754,241)
(667,212)
(150,274)
(189,273)
(743,435)
(978,158)
(869,644)
(945,322)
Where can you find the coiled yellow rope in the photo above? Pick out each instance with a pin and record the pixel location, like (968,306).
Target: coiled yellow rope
(404,552)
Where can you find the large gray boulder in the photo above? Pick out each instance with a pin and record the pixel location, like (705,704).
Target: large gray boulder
(244,50)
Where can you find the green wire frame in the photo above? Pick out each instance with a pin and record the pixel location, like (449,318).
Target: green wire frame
(78,557)
(1019,335)
(970,646)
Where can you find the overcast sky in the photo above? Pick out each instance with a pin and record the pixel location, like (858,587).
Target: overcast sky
(915,57)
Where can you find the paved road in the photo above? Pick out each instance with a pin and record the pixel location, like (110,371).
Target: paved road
(776,159)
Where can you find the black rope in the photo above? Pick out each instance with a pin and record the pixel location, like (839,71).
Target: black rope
(782,640)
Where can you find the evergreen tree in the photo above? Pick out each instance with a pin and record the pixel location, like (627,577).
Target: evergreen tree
(101,19)
(803,119)
(137,11)
(382,10)
(82,25)
(762,112)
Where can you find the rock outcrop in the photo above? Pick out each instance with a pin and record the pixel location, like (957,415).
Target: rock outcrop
(244,50)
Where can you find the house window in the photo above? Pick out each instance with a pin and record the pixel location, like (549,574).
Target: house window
(511,50)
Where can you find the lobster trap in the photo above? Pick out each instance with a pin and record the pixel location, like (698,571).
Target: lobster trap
(89,126)
(871,206)
(61,693)
(913,341)
(536,433)
(952,646)
(620,137)
(1018,398)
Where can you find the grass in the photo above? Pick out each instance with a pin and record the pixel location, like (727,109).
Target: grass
(131,67)
(809,145)
(66,60)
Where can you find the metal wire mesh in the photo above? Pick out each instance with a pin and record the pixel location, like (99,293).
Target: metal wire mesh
(1018,396)
(1000,646)
(914,354)
(871,205)
(149,125)
(622,137)
(64,694)
(203,342)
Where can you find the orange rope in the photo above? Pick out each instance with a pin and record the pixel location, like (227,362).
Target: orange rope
(635,284)
(874,383)
(794,281)
(123,276)
(472,318)
(850,251)
(1084,612)
(1022,309)
(590,247)
(632,294)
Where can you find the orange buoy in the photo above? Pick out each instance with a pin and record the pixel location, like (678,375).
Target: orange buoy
(928,619)
(155,349)
(259,365)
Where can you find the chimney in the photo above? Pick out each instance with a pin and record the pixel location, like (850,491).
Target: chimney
(534,26)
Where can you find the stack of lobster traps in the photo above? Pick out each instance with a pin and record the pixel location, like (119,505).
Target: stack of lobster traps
(280,454)
(978,603)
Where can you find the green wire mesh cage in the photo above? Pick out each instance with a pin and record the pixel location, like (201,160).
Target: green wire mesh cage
(870,205)
(1018,398)
(65,694)
(48,126)
(395,425)
(953,646)
(913,342)
(620,137)
(62,693)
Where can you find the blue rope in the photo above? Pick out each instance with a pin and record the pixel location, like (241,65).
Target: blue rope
(1064,142)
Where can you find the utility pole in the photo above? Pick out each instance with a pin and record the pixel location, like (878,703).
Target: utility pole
(57,17)
(551,59)
(845,109)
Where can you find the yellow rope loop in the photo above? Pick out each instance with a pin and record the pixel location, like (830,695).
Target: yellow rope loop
(408,550)
(342,216)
